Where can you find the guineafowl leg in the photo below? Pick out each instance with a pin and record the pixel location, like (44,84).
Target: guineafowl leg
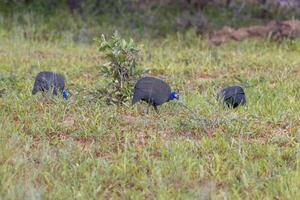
(148,108)
(156,109)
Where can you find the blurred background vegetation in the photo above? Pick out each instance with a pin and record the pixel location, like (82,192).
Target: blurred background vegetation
(82,20)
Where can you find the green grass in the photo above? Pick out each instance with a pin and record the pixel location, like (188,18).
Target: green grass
(82,149)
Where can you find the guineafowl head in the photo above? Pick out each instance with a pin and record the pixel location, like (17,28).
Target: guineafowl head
(173,96)
(65,94)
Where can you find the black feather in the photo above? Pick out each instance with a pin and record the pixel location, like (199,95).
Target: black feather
(151,90)
(48,81)
(232,96)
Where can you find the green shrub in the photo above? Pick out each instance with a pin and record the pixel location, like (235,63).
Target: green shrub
(120,71)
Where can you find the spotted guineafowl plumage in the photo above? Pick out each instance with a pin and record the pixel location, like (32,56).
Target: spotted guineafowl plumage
(50,81)
(153,91)
(232,96)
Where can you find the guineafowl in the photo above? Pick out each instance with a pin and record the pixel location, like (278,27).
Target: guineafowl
(153,91)
(232,96)
(46,81)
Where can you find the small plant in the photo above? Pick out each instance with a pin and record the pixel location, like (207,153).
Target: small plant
(121,71)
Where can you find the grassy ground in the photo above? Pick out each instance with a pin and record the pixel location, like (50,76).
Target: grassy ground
(82,149)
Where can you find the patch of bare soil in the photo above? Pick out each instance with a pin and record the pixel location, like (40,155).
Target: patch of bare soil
(274,30)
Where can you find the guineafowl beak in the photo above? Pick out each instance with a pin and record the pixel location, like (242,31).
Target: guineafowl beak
(176,96)
(65,94)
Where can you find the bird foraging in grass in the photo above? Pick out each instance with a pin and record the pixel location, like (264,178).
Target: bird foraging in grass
(232,96)
(50,81)
(153,91)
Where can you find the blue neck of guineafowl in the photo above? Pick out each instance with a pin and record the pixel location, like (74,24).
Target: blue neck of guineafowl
(65,94)
(172,96)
